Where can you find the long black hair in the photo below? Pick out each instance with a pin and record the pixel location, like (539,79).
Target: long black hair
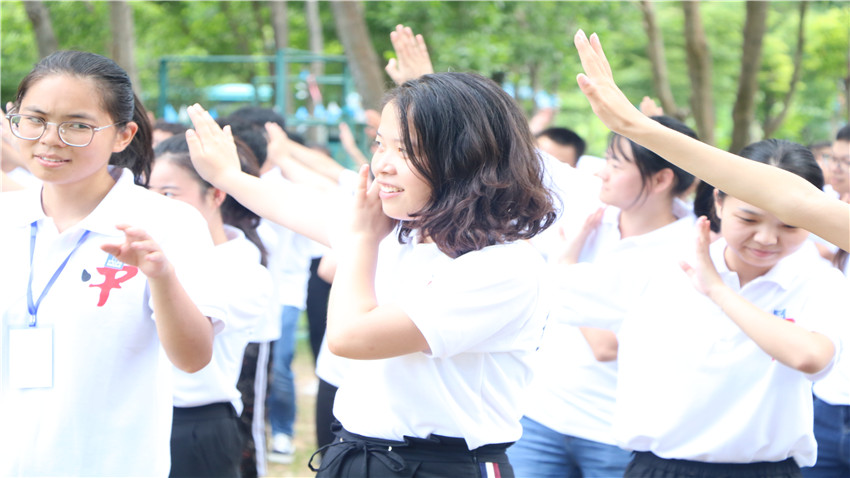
(471,143)
(116,97)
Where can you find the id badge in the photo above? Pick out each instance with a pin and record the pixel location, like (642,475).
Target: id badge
(30,357)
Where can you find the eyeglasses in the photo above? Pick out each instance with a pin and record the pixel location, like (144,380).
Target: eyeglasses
(843,162)
(72,133)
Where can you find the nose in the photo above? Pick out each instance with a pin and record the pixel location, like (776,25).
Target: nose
(51,135)
(766,235)
(602,173)
(381,162)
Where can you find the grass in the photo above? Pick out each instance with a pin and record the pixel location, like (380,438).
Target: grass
(306,384)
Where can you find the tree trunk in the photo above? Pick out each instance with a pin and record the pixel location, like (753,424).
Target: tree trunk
(40,18)
(124,40)
(699,72)
(280,24)
(744,110)
(314,29)
(772,124)
(658,62)
(362,58)
(847,90)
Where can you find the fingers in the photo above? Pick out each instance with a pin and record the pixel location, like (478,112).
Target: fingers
(596,43)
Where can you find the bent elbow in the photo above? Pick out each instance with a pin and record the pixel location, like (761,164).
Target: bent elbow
(605,355)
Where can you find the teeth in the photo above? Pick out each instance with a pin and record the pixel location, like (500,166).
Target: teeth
(390,189)
(52,160)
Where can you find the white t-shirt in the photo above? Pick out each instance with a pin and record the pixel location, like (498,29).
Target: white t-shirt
(248,297)
(577,194)
(572,392)
(109,410)
(692,385)
(482,315)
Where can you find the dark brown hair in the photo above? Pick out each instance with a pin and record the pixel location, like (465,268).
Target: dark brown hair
(470,142)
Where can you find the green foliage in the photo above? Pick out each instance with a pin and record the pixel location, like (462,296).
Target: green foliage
(526,43)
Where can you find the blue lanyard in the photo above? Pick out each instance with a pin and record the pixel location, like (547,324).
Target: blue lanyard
(33,307)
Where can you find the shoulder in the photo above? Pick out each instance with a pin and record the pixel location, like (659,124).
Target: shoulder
(518,258)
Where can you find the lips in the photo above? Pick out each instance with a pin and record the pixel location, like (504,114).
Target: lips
(386,188)
(51,159)
(761,253)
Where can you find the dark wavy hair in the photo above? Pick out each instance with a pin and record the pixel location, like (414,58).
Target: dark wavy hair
(116,98)
(176,150)
(792,157)
(649,163)
(470,142)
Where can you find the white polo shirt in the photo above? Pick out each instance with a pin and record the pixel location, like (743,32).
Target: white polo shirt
(692,385)
(247,296)
(572,392)
(109,410)
(482,315)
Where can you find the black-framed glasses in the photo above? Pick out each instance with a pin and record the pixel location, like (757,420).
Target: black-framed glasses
(72,133)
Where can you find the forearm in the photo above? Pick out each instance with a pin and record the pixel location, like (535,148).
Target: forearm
(787,342)
(352,295)
(297,207)
(801,204)
(319,162)
(185,333)
(297,172)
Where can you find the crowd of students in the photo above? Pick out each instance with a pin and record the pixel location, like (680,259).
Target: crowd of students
(495,310)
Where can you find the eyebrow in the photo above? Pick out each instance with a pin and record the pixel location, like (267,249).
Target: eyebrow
(749,211)
(35,109)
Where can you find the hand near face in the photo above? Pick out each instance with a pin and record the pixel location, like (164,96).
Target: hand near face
(368,218)
(211,148)
(702,273)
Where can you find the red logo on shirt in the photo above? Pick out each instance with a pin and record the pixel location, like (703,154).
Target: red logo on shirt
(112,281)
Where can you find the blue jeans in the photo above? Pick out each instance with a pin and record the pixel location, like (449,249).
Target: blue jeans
(832,431)
(282,385)
(544,453)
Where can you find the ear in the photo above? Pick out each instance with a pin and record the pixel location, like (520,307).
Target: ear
(125,136)
(218,196)
(663,180)
(718,203)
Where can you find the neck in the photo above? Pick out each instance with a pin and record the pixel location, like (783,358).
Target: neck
(217,231)
(646,217)
(68,204)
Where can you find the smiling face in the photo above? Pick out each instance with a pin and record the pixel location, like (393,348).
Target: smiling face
(756,239)
(402,190)
(57,98)
(622,183)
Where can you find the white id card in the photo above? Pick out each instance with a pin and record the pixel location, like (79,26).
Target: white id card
(31,357)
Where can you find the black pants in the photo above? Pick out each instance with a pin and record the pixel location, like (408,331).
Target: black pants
(205,442)
(318,292)
(352,455)
(325,413)
(648,465)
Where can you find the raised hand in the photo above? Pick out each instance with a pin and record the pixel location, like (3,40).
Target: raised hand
(597,84)
(140,250)
(368,219)
(649,107)
(211,148)
(703,274)
(412,55)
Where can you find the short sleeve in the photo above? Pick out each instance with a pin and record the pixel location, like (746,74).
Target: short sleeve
(482,302)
